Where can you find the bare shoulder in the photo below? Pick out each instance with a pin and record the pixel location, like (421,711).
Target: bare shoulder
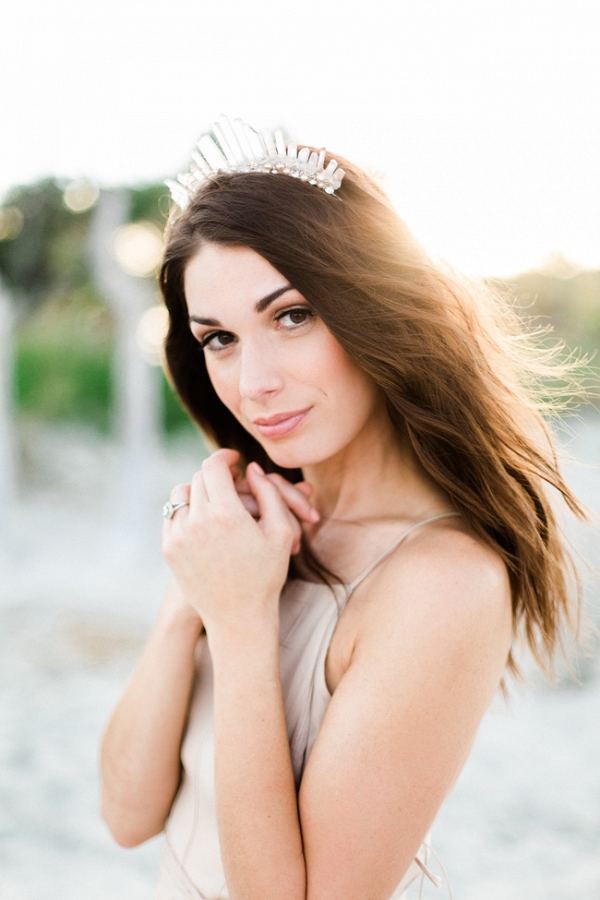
(445,587)
(433,633)
(442,560)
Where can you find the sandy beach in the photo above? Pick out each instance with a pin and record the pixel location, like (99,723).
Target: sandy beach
(78,595)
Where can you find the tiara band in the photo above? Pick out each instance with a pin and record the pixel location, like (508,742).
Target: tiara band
(237,147)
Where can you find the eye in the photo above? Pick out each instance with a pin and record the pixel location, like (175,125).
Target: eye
(299,315)
(224,339)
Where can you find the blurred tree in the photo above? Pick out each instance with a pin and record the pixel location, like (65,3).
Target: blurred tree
(43,256)
(46,256)
(150,203)
(65,334)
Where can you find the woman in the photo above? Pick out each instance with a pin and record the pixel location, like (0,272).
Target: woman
(352,566)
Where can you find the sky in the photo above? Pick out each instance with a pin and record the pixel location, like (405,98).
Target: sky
(483,118)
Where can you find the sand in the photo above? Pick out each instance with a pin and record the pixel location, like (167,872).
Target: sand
(80,588)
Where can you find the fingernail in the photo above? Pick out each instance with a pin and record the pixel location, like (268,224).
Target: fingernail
(314,515)
(258,468)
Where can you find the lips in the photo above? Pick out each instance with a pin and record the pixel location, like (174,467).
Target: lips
(281,423)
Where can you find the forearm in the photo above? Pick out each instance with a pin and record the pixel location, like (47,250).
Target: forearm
(259,830)
(139,758)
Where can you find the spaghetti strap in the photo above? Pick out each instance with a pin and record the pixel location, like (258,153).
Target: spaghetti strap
(354,584)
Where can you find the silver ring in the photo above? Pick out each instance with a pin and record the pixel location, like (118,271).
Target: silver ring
(169,509)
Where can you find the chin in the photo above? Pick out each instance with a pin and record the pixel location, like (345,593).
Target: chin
(296,457)
(287,460)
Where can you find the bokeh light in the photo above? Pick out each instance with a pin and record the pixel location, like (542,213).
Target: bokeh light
(80,195)
(138,248)
(481,120)
(11,223)
(151,334)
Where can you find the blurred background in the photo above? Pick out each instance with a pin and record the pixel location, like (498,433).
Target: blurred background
(482,121)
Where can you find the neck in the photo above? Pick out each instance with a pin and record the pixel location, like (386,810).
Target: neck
(376,476)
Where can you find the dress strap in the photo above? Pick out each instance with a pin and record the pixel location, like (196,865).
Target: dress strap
(354,584)
(435,879)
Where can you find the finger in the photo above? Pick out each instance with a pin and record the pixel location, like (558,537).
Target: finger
(198,495)
(199,492)
(275,517)
(218,480)
(297,536)
(296,532)
(232,456)
(243,489)
(180,494)
(295,498)
(249,503)
(247,497)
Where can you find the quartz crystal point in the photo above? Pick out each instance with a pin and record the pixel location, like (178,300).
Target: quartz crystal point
(237,147)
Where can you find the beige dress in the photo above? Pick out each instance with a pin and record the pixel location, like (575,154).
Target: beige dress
(191,867)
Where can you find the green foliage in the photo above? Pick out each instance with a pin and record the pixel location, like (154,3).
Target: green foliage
(63,357)
(150,203)
(64,373)
(64,346)
(64,378)
(48,255)
(175,419)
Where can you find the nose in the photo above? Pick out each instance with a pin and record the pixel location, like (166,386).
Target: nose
(259,374)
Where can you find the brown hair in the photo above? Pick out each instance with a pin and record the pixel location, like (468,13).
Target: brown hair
(452,360)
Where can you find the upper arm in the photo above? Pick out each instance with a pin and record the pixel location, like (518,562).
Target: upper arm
(404,715)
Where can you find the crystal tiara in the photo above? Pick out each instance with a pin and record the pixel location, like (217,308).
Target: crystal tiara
(237,147)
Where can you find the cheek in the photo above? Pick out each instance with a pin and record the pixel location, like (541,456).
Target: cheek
(225,384)
(342,378)
(323,362)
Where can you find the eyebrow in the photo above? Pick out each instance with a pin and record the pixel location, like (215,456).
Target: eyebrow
(259,306)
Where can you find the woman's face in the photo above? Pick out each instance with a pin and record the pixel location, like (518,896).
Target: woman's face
(271,359)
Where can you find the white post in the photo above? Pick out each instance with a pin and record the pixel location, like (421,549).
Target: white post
(136,382)
(7,453)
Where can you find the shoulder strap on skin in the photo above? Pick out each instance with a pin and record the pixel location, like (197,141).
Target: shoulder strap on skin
(354,584)
(435,879)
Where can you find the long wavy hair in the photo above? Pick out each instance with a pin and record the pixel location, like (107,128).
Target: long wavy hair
(454,362)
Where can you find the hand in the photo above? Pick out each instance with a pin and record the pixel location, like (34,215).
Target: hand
(296,496)
(230,566)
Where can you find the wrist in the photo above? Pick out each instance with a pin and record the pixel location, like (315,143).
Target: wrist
(247,644)
(177,613)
